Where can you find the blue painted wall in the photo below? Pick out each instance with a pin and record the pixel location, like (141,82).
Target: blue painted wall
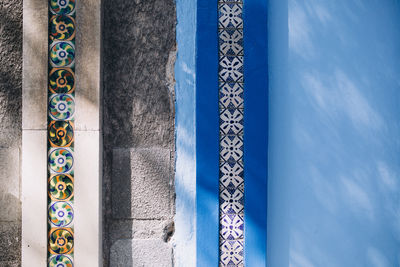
(255,131)
(334,133)
(207,135)
(185,127)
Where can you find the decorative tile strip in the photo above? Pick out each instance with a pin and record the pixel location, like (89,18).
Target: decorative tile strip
(231,178)
(61,108)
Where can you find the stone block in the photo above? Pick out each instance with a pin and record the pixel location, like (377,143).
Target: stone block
(35,65)
(138,104)
(141,183)
(10,185)
(87,199)
(16,263)
(88,17)
(34,198)
(140,229)
(138,111)
(10,242)
(141,253)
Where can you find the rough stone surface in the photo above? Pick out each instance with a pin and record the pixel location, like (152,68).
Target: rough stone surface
(139,51)
(10,72)
(141,183)
(138,38)
(141,252)
(10,242)
(10,203)
(137,229)
(10,130)
(9,263)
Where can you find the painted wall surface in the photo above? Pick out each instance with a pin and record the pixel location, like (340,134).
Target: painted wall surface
(255,131)
(334,177)
(185,128)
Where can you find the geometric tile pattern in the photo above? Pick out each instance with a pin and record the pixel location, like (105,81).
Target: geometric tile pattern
(61,109)
(231,180)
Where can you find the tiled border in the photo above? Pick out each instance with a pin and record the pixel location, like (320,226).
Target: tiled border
(230,35)
(61,109)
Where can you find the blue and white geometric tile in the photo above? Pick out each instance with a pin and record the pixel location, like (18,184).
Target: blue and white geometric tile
(232,252)
(231,174)
(231,41)
(231,95)
(232,201)
(231,121)
(230,15)
(231,227)
(231,148)
(231,69)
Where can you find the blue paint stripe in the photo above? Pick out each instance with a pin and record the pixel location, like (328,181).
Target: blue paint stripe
(255,131)
(207,134)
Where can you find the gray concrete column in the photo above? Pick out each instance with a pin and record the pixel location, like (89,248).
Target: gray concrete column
(139,206)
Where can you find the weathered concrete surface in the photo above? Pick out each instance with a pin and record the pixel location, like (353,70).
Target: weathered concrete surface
(10,242)
(138,38)
(138,122)
(142,178)
(10,204)
(141,252)
(35,67)
(10,72)
(10,130)
(135,229)
(88,60)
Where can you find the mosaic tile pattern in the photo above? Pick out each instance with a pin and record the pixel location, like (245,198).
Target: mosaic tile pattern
(231,180)
(61,109)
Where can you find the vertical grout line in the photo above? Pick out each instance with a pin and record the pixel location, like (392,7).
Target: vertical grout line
(101,191)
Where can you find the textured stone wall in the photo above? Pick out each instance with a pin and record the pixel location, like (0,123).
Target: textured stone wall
(10,130)
(138,122)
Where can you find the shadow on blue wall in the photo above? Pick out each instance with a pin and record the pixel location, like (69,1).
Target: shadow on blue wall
(334,178)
